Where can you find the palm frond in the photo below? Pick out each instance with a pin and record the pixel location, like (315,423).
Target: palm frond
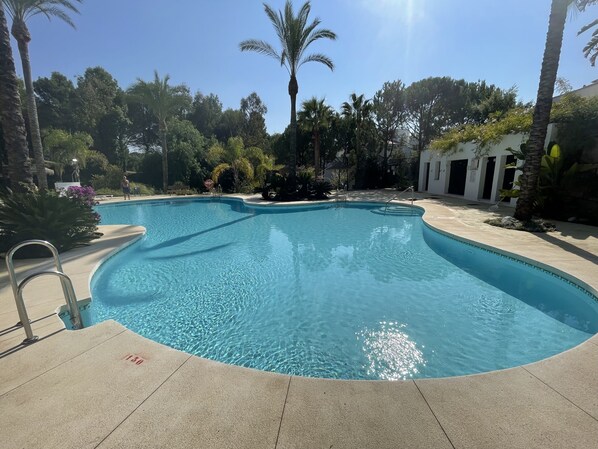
(322,33)
(588,26)
(277,23)
(259,47)
(582,4)
(50,12)
(318,57)
(590,47)
(24,9)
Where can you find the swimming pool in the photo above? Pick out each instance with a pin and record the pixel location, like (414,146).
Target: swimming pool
(338,292)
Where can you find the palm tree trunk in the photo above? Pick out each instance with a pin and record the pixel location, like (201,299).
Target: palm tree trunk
(535,144)
(317,153)
(293,90)
(13,125)
(163,137)
(385,160)
(21,34)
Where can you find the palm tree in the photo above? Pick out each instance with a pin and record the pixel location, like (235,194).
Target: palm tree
(13,125)
(314,117)
(591,48)
(535,144)
(359,111)
(20,11)
(295,36)
(164,101)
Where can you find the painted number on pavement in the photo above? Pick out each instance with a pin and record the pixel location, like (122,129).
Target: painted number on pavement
(137,360)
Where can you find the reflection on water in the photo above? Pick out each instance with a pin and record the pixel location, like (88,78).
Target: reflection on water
(330,292)
(391,354)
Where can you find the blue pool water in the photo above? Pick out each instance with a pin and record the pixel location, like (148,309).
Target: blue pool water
(347,293)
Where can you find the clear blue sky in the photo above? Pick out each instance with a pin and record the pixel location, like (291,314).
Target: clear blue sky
(196,42)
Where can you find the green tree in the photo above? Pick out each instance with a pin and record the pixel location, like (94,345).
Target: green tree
(358,112)
(205,113)
(535,145)
(63,147)
(389,114)
(429,110)
(164,101)
(261,162)
(295,35)
(95,94)
(315,117)
(231,124)
(20,11)
(96,164)
(254,128)
(13,125)
(143,130)
(186,147)
(484,100)
(55,102)
(114,133)
(591,48)
(236,165)
(577,120)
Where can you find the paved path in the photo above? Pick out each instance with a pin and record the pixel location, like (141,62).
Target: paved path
(107,387)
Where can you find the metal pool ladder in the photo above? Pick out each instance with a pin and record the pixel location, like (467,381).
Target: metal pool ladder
(395,197)
(17,288)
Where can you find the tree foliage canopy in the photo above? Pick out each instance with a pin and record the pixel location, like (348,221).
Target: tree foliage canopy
(515,121)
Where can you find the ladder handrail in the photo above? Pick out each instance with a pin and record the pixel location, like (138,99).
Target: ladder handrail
(65,282)
(70,298)
(410,188)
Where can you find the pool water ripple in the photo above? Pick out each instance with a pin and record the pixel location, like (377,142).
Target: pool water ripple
(330,292)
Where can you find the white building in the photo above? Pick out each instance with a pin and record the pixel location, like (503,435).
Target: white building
(469,174)
(479,175)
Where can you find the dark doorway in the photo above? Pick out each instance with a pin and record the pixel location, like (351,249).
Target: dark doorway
(427,176)
(507,182)
(489,178)
(458,177)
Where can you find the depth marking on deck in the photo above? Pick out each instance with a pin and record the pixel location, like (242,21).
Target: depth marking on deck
(136,359)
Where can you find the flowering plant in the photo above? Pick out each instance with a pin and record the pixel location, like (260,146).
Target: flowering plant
(83,195)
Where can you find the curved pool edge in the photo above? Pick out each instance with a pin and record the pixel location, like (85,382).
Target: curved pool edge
(545,404)
(258,203)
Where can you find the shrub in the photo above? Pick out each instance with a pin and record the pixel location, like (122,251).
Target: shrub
(137,188)
(111,179)
(279,187)
(179,188)
(84,195)
(320,189)
(65,222)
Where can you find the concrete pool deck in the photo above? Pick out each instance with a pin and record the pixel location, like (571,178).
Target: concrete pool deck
(107,387)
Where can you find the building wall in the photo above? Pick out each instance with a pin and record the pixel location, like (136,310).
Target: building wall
(591,90)
(440,168)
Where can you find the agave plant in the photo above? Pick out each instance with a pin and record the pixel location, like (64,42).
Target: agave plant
(65,223)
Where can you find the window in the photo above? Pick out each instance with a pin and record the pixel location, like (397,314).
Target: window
(437,171)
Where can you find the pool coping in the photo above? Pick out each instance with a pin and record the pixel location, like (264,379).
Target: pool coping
(312,412)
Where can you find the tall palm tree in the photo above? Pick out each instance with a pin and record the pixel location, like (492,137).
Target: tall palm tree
(295,36)
(359,110)
(314,117)
(535,144)
(164,101)
(20,11)
(13,125)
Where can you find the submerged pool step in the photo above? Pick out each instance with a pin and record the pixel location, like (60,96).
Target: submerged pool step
(399,211)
